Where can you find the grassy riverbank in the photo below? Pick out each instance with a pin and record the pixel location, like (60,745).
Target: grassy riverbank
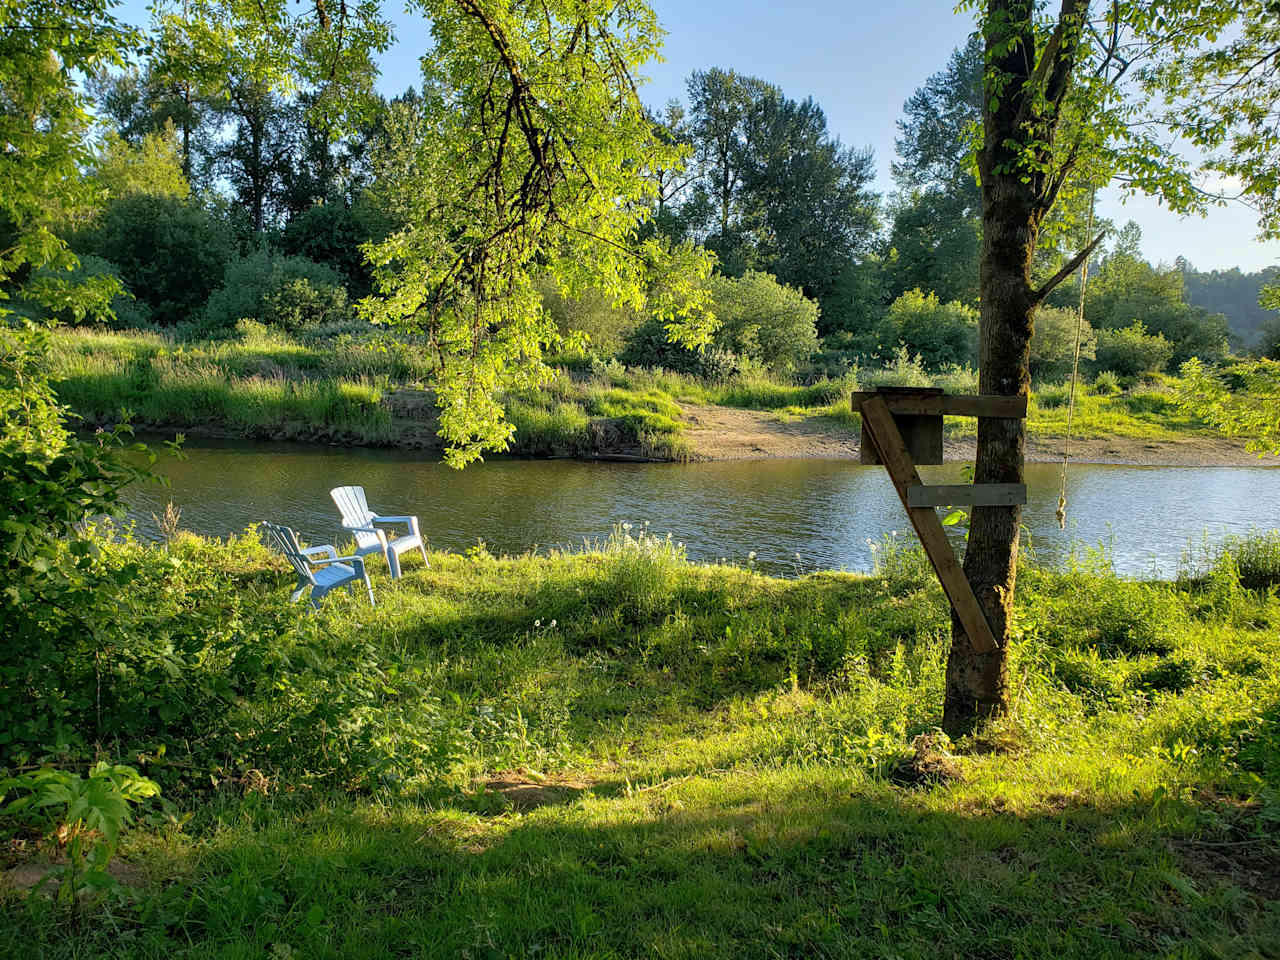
(371,390)
(622,754)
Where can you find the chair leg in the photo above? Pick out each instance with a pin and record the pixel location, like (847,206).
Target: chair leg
(393,561)
(368,586)
(423,548)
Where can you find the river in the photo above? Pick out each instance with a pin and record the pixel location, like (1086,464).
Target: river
(795,515)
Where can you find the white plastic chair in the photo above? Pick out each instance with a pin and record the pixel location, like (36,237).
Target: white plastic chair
(319,569)
(366,526)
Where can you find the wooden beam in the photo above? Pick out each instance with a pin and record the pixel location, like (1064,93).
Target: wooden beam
(967,495)
(893,452)
(974,405)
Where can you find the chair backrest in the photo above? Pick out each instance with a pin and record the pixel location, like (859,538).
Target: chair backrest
(355,512)
(286,541)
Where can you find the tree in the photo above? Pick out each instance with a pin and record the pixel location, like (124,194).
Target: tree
(773,324)
(807,197)
(43,126)
(1222,98)
(1054,107)
(940,334)
(527,157)
(153,167)
(1251,412)
(936,225)
(1053,344)
(719,104)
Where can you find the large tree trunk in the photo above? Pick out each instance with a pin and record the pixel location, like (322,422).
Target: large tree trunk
(1022,95)
(977,683)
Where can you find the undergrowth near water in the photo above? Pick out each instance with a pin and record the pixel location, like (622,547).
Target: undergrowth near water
(620,753)
(264,383)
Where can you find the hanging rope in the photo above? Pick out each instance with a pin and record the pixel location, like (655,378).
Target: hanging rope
(1075,373)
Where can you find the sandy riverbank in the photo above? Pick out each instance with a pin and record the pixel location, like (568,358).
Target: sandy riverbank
(726,433)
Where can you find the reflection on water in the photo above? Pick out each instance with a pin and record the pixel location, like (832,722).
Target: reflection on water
(825,511)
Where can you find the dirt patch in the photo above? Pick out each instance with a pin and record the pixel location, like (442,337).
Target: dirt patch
(726,433)
(929,764)
(524,792)
(26,876)
(1251,865)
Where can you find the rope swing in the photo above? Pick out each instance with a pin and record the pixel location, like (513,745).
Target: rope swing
(1075,372)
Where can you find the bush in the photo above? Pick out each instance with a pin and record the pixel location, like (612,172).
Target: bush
(593,313)
(332,234)
(1053,343)
(764,320)
(648,346)
(292,292)
(938,333)
(170,253)
(127,312)
(1132,352)
(1106,382)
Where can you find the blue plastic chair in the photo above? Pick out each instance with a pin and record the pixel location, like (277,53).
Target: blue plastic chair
(319,569)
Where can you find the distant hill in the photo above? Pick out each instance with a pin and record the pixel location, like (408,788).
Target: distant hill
(1232,293)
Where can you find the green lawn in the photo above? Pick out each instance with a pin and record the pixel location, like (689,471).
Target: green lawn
(622,754)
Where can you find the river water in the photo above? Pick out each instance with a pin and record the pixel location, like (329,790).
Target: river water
(796,515)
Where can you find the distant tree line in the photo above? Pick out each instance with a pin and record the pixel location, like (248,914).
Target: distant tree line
(226,200)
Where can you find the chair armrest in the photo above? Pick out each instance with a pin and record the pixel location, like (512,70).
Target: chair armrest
(410,522)
(324,548)
(355,561)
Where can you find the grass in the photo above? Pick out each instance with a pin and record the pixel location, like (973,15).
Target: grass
(647,757)
(266,384)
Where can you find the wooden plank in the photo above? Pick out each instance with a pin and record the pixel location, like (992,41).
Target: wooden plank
(967,405)
(967,495)
(933,538)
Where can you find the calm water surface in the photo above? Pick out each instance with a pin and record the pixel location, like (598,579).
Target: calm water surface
(824,510)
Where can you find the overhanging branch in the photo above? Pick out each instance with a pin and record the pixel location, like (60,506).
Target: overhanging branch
(1072,266)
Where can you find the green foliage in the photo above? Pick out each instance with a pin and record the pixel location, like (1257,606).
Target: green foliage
(1107,382)
(170,252)
(1232,293)
(86,814)
(938,333)
(44,125)
(334,234)
(764,320)
(1053,344)
(591,312)
(152,168)
(123,312)
(1219,96)
(1251,412)
(1131,351)
(550,181)
(1128,290)
(293,293)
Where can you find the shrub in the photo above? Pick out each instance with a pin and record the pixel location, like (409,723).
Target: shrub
(1106,382)
(1053,343)
(648,346)
(1131,352)
(126,311)
(170,253)
(938,333)
(764,320)
(292,292)
(332,234)
(593,313)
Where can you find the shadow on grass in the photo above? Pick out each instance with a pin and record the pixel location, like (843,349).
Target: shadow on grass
(802,864)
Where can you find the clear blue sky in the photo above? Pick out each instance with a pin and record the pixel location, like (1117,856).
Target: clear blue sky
(859,60)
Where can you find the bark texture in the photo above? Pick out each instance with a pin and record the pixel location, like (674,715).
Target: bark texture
(1025,86)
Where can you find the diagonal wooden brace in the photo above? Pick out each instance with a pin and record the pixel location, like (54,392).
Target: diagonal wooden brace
(902,471)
